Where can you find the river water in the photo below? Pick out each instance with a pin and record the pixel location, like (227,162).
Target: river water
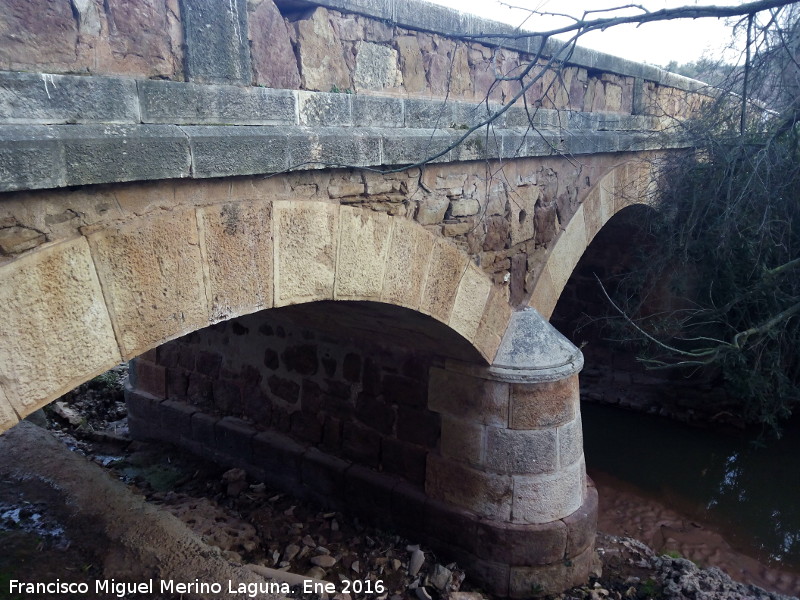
(714,498)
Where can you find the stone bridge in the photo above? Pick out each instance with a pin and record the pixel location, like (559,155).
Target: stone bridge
(222,192)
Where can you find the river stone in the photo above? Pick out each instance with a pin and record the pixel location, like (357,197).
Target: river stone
(415,563)
(325,561)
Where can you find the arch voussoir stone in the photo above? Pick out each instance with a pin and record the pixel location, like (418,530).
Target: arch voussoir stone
(55,332)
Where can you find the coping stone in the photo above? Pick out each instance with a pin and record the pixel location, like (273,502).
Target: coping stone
(54,99)
(208,104)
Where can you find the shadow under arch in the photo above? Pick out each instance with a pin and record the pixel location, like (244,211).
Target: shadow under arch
(75,308)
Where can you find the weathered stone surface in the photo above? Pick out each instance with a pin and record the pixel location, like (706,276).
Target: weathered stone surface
(374,111)
(119,37)
(471,398)
(446,268)
(486,494)
(570,442)
(463,440)
(152,276)
(215,37)
(106,153)
(37,33)
(411,66)
(546,404)
(273,60)
(376,67)
(305,251)
(543,498)
(471,298)
(515,544)
(553,578)
(363,247)
(319,51)
(8,416)
(54,316)
(30,158)
(407,264)
(44,98)
(324,110)
(236,244)
(521,452)
(16,239)
(432,208)
(582,524)
(247,150)
(493,323)
(206,104)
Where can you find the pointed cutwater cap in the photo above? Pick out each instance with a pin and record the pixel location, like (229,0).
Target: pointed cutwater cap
(534,351)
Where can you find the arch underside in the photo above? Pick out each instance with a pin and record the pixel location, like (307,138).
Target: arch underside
(77,307)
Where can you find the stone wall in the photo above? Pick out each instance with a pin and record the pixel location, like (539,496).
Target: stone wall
(363,402)
(319,49)
(504,215)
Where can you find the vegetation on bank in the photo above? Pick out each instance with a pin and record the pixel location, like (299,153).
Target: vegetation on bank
(720,292)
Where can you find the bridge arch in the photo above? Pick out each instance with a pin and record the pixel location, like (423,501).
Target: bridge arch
(625,185)
(75,308)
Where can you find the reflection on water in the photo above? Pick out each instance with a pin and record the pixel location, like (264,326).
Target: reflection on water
(750,494)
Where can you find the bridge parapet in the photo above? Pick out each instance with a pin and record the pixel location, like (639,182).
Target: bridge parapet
(414,68)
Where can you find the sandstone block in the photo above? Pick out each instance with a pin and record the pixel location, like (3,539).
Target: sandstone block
(464,208)
(544,498)
(407,264)
(16,239)
(493,324)
(410,61)
(236,244)
(31,158)
(525,582)
(54,315)
(470,303)
(363,247)
(486,494)
(467,397)
(273,60)
(8,416)
(376,67)
(432,208)
(148,377)
(522,545)
(567,251)
(570,442)
(582,524)
(446,268)
(320,54)
(521,452)
(463,440)
(152,275)
(545,404)
(305,236)
(544,296)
